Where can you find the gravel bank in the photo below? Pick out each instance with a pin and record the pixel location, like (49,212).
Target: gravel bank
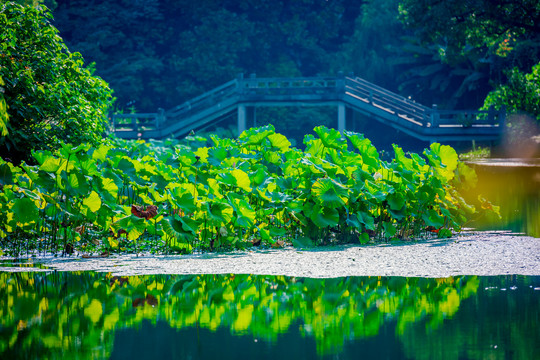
(482,253)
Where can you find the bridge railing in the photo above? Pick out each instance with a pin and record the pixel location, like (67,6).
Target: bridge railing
(287,86)
(467,118)
(138,122)
(203,101)
(386,100)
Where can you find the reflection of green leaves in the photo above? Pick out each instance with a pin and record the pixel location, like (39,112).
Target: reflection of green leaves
(265,306)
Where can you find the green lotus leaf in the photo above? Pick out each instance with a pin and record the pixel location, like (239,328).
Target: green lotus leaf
(302,242)
(182,197)
(265,234)
(88,166)
(312,167)
(51,164)
(363,238)
(69,149)
(396,201)
(352,220)
(366,219)
(273,158)
(280,198)
(219,213)
(370,155)
(331,138)
(315,147)
(389,229)
(402,159)
(255,136)
(41,156)
(444,159)
(216,155)
(126,166)
(25,210)
(374,192)
(202,153)
(419,163)
(245,213)
(324,216)
(6,175)
(432,218)
(93,202)
(398,214)
(101,152)
(277,231)
(76,183)
(329,193)
(241,179)
(174,228)
(258,176)
(188,224)
(279,141)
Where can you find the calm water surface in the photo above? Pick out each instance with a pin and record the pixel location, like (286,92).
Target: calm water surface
(89,315)
(514,185)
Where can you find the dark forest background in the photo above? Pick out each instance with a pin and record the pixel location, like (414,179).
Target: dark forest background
(160,53)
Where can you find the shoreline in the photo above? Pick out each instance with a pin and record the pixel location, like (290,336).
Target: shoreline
(486,253)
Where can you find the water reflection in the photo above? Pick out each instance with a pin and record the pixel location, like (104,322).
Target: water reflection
(92,315)
(514,186)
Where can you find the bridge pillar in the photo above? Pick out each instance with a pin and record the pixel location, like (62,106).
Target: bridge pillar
(241,118)
(341,117)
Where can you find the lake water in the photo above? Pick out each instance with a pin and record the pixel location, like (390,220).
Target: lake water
(95,315)
(514,185)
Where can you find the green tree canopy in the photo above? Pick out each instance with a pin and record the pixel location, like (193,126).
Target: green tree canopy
(506,28)
(463,49)
(50,96)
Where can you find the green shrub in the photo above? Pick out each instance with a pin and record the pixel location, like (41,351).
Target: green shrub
(50,96)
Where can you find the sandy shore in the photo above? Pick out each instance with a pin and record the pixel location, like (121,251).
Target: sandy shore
(481,253)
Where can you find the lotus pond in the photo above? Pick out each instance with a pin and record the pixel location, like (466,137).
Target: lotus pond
(237,193)
(96,315)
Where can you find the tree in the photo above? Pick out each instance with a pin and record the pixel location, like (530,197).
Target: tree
(370,51)
(520,97)
(468,46)
(507,28)
(51,98)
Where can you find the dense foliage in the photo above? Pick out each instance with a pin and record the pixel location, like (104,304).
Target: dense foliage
(48,97)
(160,53)
(520,95)
(256,189)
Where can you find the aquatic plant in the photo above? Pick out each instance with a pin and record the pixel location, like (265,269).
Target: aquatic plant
(156,196)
